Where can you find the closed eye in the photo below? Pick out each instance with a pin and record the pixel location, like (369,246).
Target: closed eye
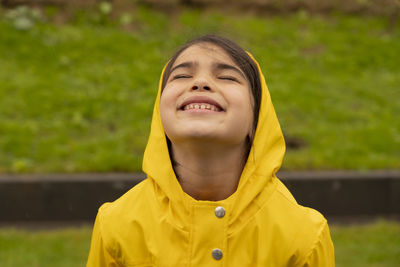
(181,76)
(229,78)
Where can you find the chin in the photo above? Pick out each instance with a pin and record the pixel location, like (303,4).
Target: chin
(199,134)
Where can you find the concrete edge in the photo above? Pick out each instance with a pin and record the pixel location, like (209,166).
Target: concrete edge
(124,176)
(76,197)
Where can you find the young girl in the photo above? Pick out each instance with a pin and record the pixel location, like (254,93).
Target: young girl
(211,197)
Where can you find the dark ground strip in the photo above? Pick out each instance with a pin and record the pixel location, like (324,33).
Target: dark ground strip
(54,200)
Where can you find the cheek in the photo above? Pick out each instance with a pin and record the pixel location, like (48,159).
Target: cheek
(245,106)
(167,107)
(248,115)
(167,99)
(164,110)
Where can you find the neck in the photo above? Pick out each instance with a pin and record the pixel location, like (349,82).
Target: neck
(207,171)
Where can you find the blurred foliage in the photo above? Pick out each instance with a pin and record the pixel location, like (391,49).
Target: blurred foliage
(77,96)
(23,17)
(374,244)
(371,7)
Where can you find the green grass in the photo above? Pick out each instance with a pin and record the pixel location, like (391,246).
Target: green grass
(372,245)
(376,244)
(68,247)
(78,96)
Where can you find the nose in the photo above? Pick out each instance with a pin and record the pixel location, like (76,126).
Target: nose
(201,84)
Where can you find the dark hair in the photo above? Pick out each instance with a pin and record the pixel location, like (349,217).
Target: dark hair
(238,55)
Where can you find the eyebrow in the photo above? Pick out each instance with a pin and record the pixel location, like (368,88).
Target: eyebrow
(185,65)
(223,66)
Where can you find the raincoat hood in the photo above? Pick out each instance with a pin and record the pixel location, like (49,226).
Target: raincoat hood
(264,160)
(157,224)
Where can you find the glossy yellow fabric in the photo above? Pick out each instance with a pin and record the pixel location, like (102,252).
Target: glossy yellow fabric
(157,224)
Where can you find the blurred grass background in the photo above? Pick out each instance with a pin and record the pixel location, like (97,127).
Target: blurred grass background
(77,95)
(374,244)
(77,91)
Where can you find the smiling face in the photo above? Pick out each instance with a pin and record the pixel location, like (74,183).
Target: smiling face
(206,97)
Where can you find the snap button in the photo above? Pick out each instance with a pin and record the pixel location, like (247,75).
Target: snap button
(217,254)
(219,212)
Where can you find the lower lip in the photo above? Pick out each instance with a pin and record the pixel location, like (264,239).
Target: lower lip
(199,111)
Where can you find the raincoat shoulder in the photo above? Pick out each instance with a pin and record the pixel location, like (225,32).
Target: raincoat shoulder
(306,231)
(119,229)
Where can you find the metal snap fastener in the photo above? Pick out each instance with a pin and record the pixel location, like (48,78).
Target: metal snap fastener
(217,254)
(219,212)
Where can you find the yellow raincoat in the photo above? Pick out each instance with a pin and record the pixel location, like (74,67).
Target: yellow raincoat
(157,224)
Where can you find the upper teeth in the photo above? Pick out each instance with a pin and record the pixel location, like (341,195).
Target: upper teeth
(201,106)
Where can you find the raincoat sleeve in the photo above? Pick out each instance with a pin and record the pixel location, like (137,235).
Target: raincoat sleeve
(322,252)
(99,256)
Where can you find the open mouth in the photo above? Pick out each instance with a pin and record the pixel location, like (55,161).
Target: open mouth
(201,106)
